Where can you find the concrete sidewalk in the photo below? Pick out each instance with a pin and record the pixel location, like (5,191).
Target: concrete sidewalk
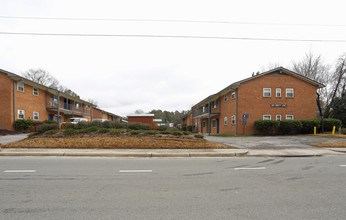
(293,152)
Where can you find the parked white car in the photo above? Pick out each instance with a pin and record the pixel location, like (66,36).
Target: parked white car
(77,120)
(100,120)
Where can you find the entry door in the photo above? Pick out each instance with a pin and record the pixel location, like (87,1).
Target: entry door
(218,125)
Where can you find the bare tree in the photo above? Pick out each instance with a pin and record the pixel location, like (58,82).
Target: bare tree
(338,81)
(93,102)
(139,111)
(42,77)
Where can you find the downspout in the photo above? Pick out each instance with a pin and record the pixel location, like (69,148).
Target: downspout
(236,112)
(59,110)
(14,104)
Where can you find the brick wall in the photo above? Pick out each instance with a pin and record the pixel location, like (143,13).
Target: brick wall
(6,102)
(144,120)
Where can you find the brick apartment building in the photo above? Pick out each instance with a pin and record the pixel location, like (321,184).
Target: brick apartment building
(21,98)
(278,94)
(141,118)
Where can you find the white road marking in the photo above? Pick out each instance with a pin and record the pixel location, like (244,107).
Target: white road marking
(250,168)
(20,171)
(135,171)
(343,165)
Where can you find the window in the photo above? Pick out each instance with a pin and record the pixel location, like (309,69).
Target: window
(53,100)
(267,117)
(289,117)
(267,92)
(289,93)
(225,98)
(233,119)
(35,91)
(21,114)
(20,86)
(278,92)
(213,123)
(56,118)
(233,95)
(86,107)
(278,117)
(215,104)
(203,124)
(225,120)
(78,105)
(203,108)
(36,116)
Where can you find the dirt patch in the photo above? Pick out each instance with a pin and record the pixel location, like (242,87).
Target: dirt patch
(333,144)
(331,136)
(7,132)
(116,143)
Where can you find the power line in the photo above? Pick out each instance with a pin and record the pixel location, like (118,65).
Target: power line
(171,21)
(172,36)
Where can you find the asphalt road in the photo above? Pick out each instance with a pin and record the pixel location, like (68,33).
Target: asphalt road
(172,188)
(272,142)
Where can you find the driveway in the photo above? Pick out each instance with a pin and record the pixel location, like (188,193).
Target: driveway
(272,142)
(12,138)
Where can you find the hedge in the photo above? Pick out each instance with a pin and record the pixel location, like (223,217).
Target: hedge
(23,125)
(267,126)
(290,126)
(309,124)
(46,127)
(330,122)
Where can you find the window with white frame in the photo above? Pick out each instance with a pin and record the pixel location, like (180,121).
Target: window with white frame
(21,114)
(203,124)
(213,122)
(78,105)
(289,93)
(225,98)
(267,117)
(233,120)
(278,92)
(36,116)
(20,86)
(203,109)
(35,91)
(233,95)
(225,120)
(289,117)
(278,117)
(86,107)
(215,104)
(267,92)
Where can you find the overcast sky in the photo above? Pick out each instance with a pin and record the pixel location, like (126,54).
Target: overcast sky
(125,73)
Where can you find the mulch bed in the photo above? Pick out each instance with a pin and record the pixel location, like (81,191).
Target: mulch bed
(106,142)
(333,144)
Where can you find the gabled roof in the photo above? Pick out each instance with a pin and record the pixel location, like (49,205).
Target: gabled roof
(140,115)
(280,70)
(107,112)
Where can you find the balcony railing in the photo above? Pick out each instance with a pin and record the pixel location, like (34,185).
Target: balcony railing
(67,107)
(206,111)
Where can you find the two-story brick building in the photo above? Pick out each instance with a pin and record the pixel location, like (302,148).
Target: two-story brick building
(21,98)
(278,94)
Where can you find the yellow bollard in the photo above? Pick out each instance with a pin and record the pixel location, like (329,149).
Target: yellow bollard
(333,130)
(315,130)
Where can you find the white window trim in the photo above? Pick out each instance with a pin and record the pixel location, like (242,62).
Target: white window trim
(21,83)
(270,117)
(278,89)
(33,91)
(38,116)
(225,121)
(270,91)
(203,124)
(212,123)
(292,92)
(277,117)
(19,112)
(233,95)
(289,116)
(233,120)
(225,98)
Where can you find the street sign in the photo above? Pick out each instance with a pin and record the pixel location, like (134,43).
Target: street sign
(246,116)
(244,121)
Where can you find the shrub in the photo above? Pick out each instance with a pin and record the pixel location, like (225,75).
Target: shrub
(163,128)
(69,131)
(190,128)
(135,132)
(267,126)
(165,132)
(103,130)
(177,133)
(183,128)
(150,132)
(343,131)
(116,132)
(46,127)
(309,124)
(71,126)
(154,127)
(23,125)
(290,126)
(138,126)
(186,132)
(50,122)
(51,132)
(33,134)
(199,136)
(330,122)
(172,129)
(81,125)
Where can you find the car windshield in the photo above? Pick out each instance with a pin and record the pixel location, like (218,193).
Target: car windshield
(74,119)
